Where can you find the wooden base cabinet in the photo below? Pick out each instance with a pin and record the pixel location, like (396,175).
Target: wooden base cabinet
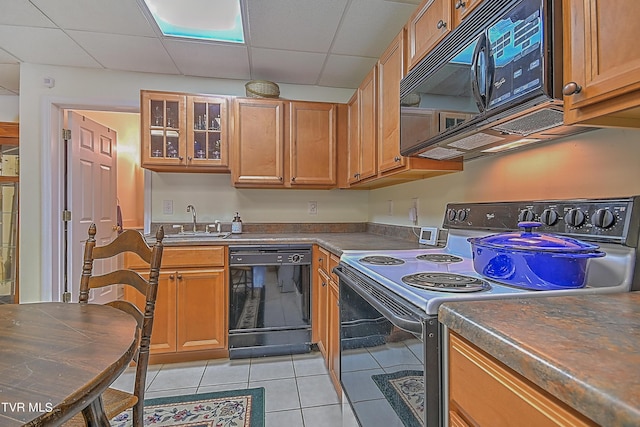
(601,68)
(191,313)
(484,392)
(326,312)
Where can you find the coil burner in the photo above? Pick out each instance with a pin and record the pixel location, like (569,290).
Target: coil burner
(381,260)
(440,258)
(446,282)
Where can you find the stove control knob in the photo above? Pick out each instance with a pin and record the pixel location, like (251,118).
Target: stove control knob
(549,217)
(603,218)
(451,214)
(526,215)
(462,215)
(574,217)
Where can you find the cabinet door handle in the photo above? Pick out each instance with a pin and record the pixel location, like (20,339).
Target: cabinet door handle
(324,284)
(179,276)
(293,179)
(171,276)
(460,4)
(189,158)
(180,158)
(320,259)
(396,159)
(280,178)
(571,88)
(441,24)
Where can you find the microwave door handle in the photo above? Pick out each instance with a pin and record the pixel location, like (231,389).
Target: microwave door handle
(491,72)
(479,97)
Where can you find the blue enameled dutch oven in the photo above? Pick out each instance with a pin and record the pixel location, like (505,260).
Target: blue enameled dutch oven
(530,260)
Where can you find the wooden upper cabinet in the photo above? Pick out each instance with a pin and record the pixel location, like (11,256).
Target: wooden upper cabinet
(391,69)
(258,143)
(312,144)
(184,133)
(163,127)
(207,142)
(426,27)
(362,133)
(462,8)
(600,60)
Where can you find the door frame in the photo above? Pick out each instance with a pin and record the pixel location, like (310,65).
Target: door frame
(52,186)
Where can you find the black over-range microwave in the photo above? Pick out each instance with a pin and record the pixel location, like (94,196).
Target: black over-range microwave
(494,82)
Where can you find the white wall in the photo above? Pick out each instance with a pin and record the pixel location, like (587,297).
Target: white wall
(601,163)
(98,89)
(9,108)
(597,164)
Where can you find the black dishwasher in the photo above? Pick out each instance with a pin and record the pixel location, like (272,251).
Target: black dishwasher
(270,300)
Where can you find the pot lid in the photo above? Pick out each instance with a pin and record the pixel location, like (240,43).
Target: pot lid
(530,241)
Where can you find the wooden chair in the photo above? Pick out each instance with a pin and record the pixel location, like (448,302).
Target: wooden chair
(116,401)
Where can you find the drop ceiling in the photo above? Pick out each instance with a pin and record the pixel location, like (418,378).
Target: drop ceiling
(331,43)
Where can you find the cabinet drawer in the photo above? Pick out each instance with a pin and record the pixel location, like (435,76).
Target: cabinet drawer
(333,262)
(323,259)
(490,394)
(180,257)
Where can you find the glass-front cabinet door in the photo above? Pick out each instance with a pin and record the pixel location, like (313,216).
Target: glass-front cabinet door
(207,134)
(184,132)
(163,121)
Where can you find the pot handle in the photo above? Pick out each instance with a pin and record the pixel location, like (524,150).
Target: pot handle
(594,254)
(529,225)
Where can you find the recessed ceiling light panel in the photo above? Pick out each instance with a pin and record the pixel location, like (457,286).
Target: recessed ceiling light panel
(219,20)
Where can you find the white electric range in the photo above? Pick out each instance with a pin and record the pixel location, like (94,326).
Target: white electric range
(389,299)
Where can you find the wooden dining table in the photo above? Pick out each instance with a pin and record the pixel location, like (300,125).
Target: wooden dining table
(56,359)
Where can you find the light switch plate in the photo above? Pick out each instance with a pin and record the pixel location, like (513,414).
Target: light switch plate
(428,236)
(167,207)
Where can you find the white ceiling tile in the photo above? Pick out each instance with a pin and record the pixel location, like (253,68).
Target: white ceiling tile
(346,71)
(369,26)
(286,66)
(7,58)
(304,25)
(44,46)
(10,77)
(131,53)
(226,61)
(21,12)
(102,16)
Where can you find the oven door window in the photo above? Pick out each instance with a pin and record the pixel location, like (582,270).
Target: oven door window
(381,365)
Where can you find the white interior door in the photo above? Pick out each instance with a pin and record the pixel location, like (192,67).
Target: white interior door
(91,184)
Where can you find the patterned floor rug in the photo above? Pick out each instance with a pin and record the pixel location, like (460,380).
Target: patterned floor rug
(236,408)
(404,390)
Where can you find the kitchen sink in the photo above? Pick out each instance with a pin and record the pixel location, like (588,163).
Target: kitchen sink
(197,235)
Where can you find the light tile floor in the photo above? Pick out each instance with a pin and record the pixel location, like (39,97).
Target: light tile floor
(298,389)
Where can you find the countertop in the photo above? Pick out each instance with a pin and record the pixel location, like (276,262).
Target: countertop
(334,242)
(585,350)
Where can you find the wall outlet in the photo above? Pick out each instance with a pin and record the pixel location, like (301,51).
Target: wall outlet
(167,207)
(312,208)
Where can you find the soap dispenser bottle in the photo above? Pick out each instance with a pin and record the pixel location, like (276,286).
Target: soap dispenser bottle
(236,224)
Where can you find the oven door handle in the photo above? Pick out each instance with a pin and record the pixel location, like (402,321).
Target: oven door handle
(410,321)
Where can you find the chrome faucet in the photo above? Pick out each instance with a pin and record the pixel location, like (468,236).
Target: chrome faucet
(192,209)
